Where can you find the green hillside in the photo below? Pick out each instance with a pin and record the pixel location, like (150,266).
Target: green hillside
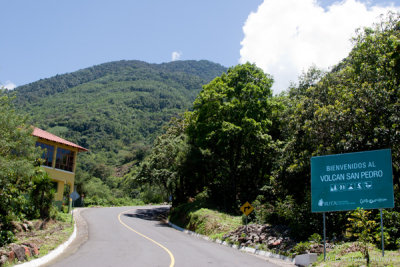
(114,109)
(110,106)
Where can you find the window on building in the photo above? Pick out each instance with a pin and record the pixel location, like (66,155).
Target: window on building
(65,159)
(47,155)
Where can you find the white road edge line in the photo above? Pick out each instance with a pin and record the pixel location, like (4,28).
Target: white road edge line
(249,250)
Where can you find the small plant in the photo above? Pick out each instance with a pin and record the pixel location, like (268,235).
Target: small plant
(301,248)
(229,241)
(6,237)
(63,217)
(362,228)
(315,238)
(219,236)
(64,209)
(262,247)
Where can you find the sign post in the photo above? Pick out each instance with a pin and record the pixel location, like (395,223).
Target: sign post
(324,218)
(383,241)
(353,180)
(246,209)
(74,196)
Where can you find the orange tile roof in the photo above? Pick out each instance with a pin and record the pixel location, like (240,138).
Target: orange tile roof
(51,137)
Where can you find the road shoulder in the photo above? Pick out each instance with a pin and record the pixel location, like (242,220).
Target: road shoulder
(271,257)
(77,238)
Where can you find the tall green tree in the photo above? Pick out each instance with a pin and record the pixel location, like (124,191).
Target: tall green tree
(233,124)
(355,107)
(163,167)
(18,161)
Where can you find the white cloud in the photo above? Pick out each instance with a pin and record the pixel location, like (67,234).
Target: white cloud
(286,37)
(176,55)
(9,85)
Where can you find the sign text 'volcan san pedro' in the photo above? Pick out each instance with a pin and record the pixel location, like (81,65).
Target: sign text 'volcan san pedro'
(353,180)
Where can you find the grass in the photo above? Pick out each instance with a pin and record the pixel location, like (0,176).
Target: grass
(211,223)
(55,240)
(348,254)
(54,234)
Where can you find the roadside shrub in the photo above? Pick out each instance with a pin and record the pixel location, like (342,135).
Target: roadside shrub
(97,189)
(188,214)
(152,194)
(95,201)
(391,226)
(262,211)
(296,215)
(63,217)
(125,201)
(362,227)
(316,238)
(302,248)
(122,201)
(41,196)
(6,237)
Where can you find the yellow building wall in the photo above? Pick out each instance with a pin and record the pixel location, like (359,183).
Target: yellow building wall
(60,176)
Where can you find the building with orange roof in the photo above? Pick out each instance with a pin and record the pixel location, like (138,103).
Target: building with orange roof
(59,160)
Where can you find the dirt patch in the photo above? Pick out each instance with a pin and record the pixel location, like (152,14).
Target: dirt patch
(34,239)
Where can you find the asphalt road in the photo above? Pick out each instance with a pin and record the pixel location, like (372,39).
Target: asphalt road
(136,237)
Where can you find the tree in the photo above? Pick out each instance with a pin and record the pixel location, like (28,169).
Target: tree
(41,195)
(233,124)
(163,167)
(18,162)
(355,107)
(362,227)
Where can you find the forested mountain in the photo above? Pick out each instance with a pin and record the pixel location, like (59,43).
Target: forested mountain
(114,109)
(112,105)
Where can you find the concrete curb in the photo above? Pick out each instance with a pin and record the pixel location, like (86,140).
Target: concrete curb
(52,254)
(249,250)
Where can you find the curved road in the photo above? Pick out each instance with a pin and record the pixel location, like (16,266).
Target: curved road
(135,237)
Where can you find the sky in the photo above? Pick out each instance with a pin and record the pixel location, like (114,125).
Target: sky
(39,39)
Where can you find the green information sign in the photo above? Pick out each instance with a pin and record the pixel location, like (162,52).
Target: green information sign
(353,180)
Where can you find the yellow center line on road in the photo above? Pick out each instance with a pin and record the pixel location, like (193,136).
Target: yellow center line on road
(148,238)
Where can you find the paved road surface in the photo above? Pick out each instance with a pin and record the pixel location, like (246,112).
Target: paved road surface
(135,237)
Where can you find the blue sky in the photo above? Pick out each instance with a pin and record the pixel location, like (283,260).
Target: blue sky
(42,38)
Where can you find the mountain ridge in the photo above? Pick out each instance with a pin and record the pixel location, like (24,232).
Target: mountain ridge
(115,108)
(100,70)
